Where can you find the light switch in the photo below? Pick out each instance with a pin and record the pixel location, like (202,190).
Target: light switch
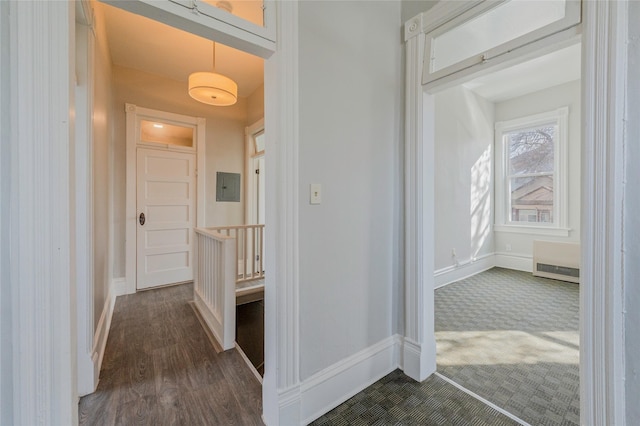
(315,193)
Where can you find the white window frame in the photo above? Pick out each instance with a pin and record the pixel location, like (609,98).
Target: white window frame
(572,18)
(503,223)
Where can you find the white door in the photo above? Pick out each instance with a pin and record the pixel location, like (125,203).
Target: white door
(166,208)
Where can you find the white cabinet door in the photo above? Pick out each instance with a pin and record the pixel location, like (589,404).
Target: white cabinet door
(166,208)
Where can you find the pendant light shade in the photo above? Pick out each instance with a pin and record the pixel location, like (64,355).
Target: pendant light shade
(213,88)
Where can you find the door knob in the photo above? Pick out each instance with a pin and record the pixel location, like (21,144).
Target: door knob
(141,219)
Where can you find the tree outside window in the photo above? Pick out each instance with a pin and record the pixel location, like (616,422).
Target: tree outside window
(531,169)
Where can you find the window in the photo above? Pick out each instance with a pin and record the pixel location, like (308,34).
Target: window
(258,141)
(163,133)
(492,29)
(531,174)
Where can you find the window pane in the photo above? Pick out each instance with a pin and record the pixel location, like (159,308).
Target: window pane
(166,134)
(499,25)
(531,151)
(249,10)
(531,199)
(259,141)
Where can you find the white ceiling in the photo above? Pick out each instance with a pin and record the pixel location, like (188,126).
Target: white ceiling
(540,73)
(150,46)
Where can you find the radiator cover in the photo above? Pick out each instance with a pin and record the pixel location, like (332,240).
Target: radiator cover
(557,260)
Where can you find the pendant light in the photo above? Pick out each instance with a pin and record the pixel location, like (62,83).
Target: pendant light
(212,88)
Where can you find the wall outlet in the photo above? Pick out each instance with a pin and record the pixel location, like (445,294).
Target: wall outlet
(453,252)
(508,247)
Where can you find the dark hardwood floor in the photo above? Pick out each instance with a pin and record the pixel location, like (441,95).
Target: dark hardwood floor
(160,368)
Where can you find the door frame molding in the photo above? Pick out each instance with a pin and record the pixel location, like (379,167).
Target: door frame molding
(133,112)
(249,156)
(604,73)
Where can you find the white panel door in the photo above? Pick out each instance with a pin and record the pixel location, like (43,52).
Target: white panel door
(166,206)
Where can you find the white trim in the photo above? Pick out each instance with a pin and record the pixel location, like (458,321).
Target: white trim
(6,311)
(119,287)
(83,181)
(604,90)
(250,155)
(280,390)
(201,171)
(419,335)
(133,116)
(42,267)
(503,223)
(484,401)
(516,261)
(463,270)
(533,230)
(332,386)
(102,332)
(601,296)
(223,28)
(247,361)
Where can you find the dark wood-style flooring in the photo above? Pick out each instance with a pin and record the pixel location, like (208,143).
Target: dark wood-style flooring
(160,368)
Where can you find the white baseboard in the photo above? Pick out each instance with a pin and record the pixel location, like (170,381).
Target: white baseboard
(418,361)
(454,273)
(517,261)
(332,386)
(102,330)
(119,287)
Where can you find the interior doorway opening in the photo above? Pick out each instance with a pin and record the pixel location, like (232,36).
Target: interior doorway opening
(507,176)
(131,68)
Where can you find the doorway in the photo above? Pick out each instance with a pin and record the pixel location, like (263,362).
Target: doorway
(507,176)
(602,118)
(164,154)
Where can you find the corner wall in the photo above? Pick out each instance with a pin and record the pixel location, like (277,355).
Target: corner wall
(463,180)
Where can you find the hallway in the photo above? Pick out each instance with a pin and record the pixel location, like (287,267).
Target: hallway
(159,368)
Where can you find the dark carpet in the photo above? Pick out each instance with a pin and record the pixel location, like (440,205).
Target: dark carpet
(512,338)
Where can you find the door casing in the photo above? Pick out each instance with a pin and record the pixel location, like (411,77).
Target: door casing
(134,115)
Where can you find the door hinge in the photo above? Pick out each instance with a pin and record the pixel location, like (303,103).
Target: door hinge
(257,171)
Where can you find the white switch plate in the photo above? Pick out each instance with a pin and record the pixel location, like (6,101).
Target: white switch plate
(315,193)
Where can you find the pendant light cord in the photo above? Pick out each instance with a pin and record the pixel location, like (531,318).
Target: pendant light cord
(214,56)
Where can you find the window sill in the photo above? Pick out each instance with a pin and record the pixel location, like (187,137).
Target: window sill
(533,230)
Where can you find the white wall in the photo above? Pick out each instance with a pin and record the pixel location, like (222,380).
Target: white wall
(463,177)
(255,105)
(102,143)
(632,223)
(350,103)
(224,147)
(567,94)
(411,8)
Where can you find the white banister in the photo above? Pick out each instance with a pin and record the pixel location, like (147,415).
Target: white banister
(215,283)
(249,250)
